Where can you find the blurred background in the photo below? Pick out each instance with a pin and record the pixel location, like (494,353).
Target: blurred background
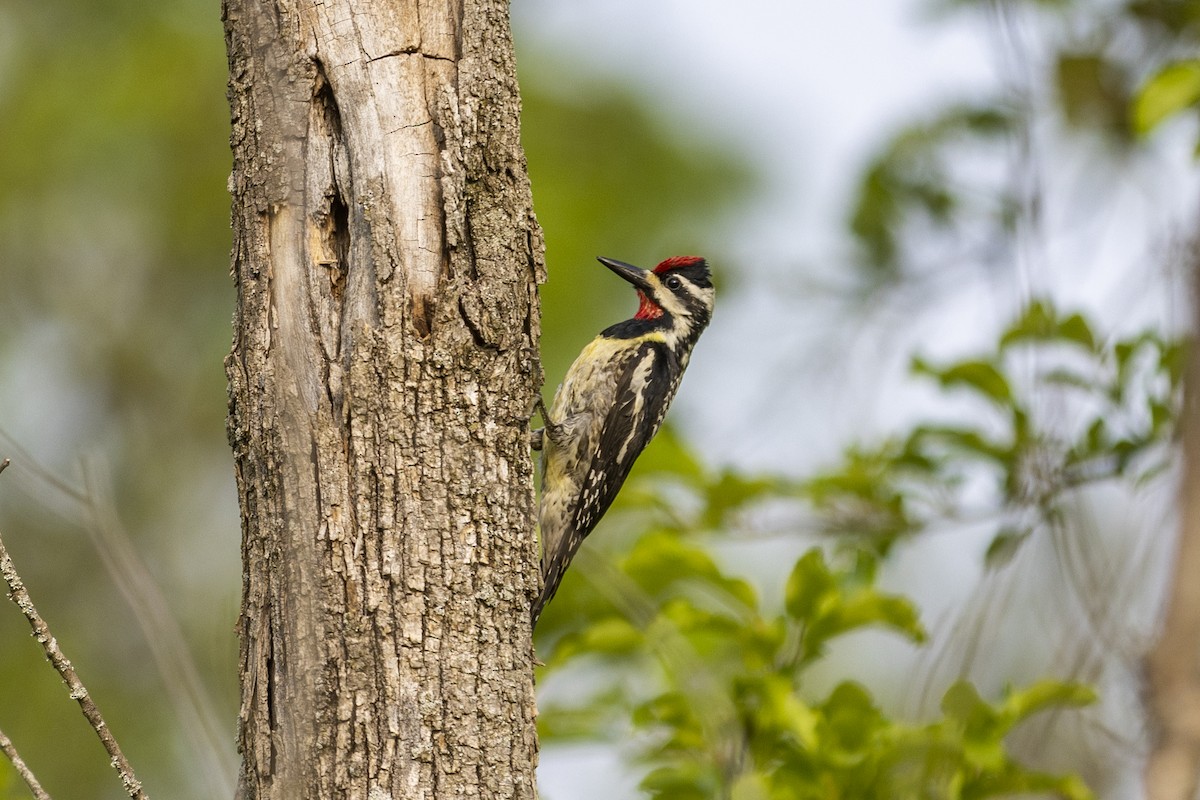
(872,181)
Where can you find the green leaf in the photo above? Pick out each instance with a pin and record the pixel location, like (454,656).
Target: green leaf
(861,609)
(852,717)
(962,702)
(758,643)
(661,559)
(1013,781)
(668,453)
(1025,702)
(984,726)
(750,786)
(980,376)
(709,630)
(605,710)
(1172,90)
(827,605)
(1096,436)
(809,587)
(611,636)
(1076,329)
(671,712)
(968,441)
(1004,546)
(869,607)
(681,782)
(1069,378)
(732,492)
(1039,322)
(1092,91)
(906,183)
(983,729)
(1036,322)
(1161,415)
(663,563)
(1173,360)
(786,713)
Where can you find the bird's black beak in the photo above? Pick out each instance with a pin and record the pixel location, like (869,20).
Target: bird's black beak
(635,275)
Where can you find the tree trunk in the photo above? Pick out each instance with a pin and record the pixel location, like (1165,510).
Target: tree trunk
(1173,663)
(383,370)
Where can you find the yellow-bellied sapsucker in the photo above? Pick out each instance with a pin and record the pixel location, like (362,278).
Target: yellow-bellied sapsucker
(612,402)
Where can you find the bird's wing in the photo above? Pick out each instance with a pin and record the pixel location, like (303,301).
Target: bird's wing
(643,392)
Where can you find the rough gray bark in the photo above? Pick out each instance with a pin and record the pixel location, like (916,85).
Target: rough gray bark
(383,369)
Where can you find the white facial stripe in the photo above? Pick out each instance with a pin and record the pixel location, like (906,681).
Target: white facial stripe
(675,305)
(672,304)
(694,290)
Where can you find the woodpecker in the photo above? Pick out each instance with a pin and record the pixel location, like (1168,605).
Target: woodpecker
(612,402)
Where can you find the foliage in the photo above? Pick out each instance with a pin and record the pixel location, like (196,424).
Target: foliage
(729,716)
(909,187)
(1126,392)
(730,712)
(1169,92)
(944,191)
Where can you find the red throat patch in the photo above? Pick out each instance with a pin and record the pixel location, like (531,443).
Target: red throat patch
(647,308)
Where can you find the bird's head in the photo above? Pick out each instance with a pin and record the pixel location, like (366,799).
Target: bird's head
(678,291)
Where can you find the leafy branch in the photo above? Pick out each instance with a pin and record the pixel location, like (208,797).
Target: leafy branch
(712,675)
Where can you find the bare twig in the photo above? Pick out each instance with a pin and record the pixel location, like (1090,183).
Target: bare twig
(41,632)
(91,506)
(6,746)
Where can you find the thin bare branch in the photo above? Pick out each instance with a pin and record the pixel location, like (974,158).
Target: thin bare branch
(6,745)
(41,631)
(91,506)
(30,465)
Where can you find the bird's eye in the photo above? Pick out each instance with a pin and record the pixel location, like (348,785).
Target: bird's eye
(673,282)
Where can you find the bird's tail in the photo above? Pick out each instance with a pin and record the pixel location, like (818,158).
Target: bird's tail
(554,567)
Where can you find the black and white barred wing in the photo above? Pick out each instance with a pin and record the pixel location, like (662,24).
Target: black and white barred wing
(643,393)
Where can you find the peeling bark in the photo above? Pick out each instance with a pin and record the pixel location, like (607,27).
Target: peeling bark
(382,374)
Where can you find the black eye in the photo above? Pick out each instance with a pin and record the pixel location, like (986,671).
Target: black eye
(673,282)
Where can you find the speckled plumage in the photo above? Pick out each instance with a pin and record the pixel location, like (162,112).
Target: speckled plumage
(611,404)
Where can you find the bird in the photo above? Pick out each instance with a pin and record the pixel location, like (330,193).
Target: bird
(612,402)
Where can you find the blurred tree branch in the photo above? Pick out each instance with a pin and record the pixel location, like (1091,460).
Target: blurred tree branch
(1173,665)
